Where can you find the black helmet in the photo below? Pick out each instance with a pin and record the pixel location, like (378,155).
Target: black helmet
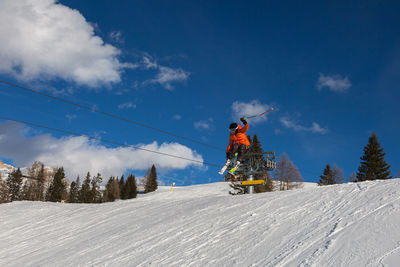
(233,127)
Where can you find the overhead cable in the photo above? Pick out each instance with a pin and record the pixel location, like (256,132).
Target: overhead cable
(92,109)
(105,140)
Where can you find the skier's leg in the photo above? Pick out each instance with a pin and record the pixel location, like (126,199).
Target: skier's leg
(229,156)
(242,150)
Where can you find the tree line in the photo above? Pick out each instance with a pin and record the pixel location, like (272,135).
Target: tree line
(373,166)
(44,184)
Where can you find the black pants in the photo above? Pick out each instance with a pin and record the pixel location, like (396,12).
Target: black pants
(240,149)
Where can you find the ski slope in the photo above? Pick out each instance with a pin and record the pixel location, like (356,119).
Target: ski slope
(340,225)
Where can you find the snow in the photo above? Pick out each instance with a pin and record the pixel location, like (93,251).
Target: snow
(341,225)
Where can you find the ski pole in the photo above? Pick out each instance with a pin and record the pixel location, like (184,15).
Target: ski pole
(259,115)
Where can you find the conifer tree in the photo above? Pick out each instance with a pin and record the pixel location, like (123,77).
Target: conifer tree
(4,193)
(57,187)
(78,189)
(107,195)
(84,193)
(257,160)
(112,190)
(14,183)
(122,190)
(28,190)
(256,151)
(151,184)
(327,177)
(95,195)
(373,165)
(130,186)
(73,193)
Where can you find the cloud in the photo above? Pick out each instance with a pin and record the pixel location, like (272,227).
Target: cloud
(166,76)
(335,83)
(78,155)
(149,63)
(314,128)
(243,109)
(204,125)
(43,39)
(127,105)
(116,36)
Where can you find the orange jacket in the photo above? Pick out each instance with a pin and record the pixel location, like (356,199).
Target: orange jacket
(240,138)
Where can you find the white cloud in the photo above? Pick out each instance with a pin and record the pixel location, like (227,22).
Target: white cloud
(166,76)
(335,83)
(43,39)
(116,36)
(314,128)
(127,105)
(79,155)
(149,63)
(243,109)
(204,125)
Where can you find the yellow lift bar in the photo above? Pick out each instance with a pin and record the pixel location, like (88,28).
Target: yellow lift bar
(255,182)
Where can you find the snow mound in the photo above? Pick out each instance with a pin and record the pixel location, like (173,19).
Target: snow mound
(202,225)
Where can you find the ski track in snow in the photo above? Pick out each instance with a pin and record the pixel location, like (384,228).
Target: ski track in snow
(339,225)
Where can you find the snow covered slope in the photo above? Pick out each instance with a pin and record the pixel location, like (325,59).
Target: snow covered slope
(341,225)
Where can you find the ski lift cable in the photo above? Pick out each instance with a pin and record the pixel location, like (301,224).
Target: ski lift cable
(122,119)
(105,140)
(108,114)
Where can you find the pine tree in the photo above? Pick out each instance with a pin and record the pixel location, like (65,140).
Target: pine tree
(57,187)
(84,193)
(78,189)
(257,160)
(122,190)
(73,193)
(327,178)
(131,188)
(112,190)
(256,152)
(373,165)
(14,182)
(107,195)
(28,190)
(4,193)
(95,195)
(151,184)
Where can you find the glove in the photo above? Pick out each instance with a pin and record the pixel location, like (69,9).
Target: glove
(243,120)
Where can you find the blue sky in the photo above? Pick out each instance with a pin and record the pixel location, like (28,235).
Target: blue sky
(331,70)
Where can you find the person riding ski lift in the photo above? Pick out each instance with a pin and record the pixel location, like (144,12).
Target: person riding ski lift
(238,143)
